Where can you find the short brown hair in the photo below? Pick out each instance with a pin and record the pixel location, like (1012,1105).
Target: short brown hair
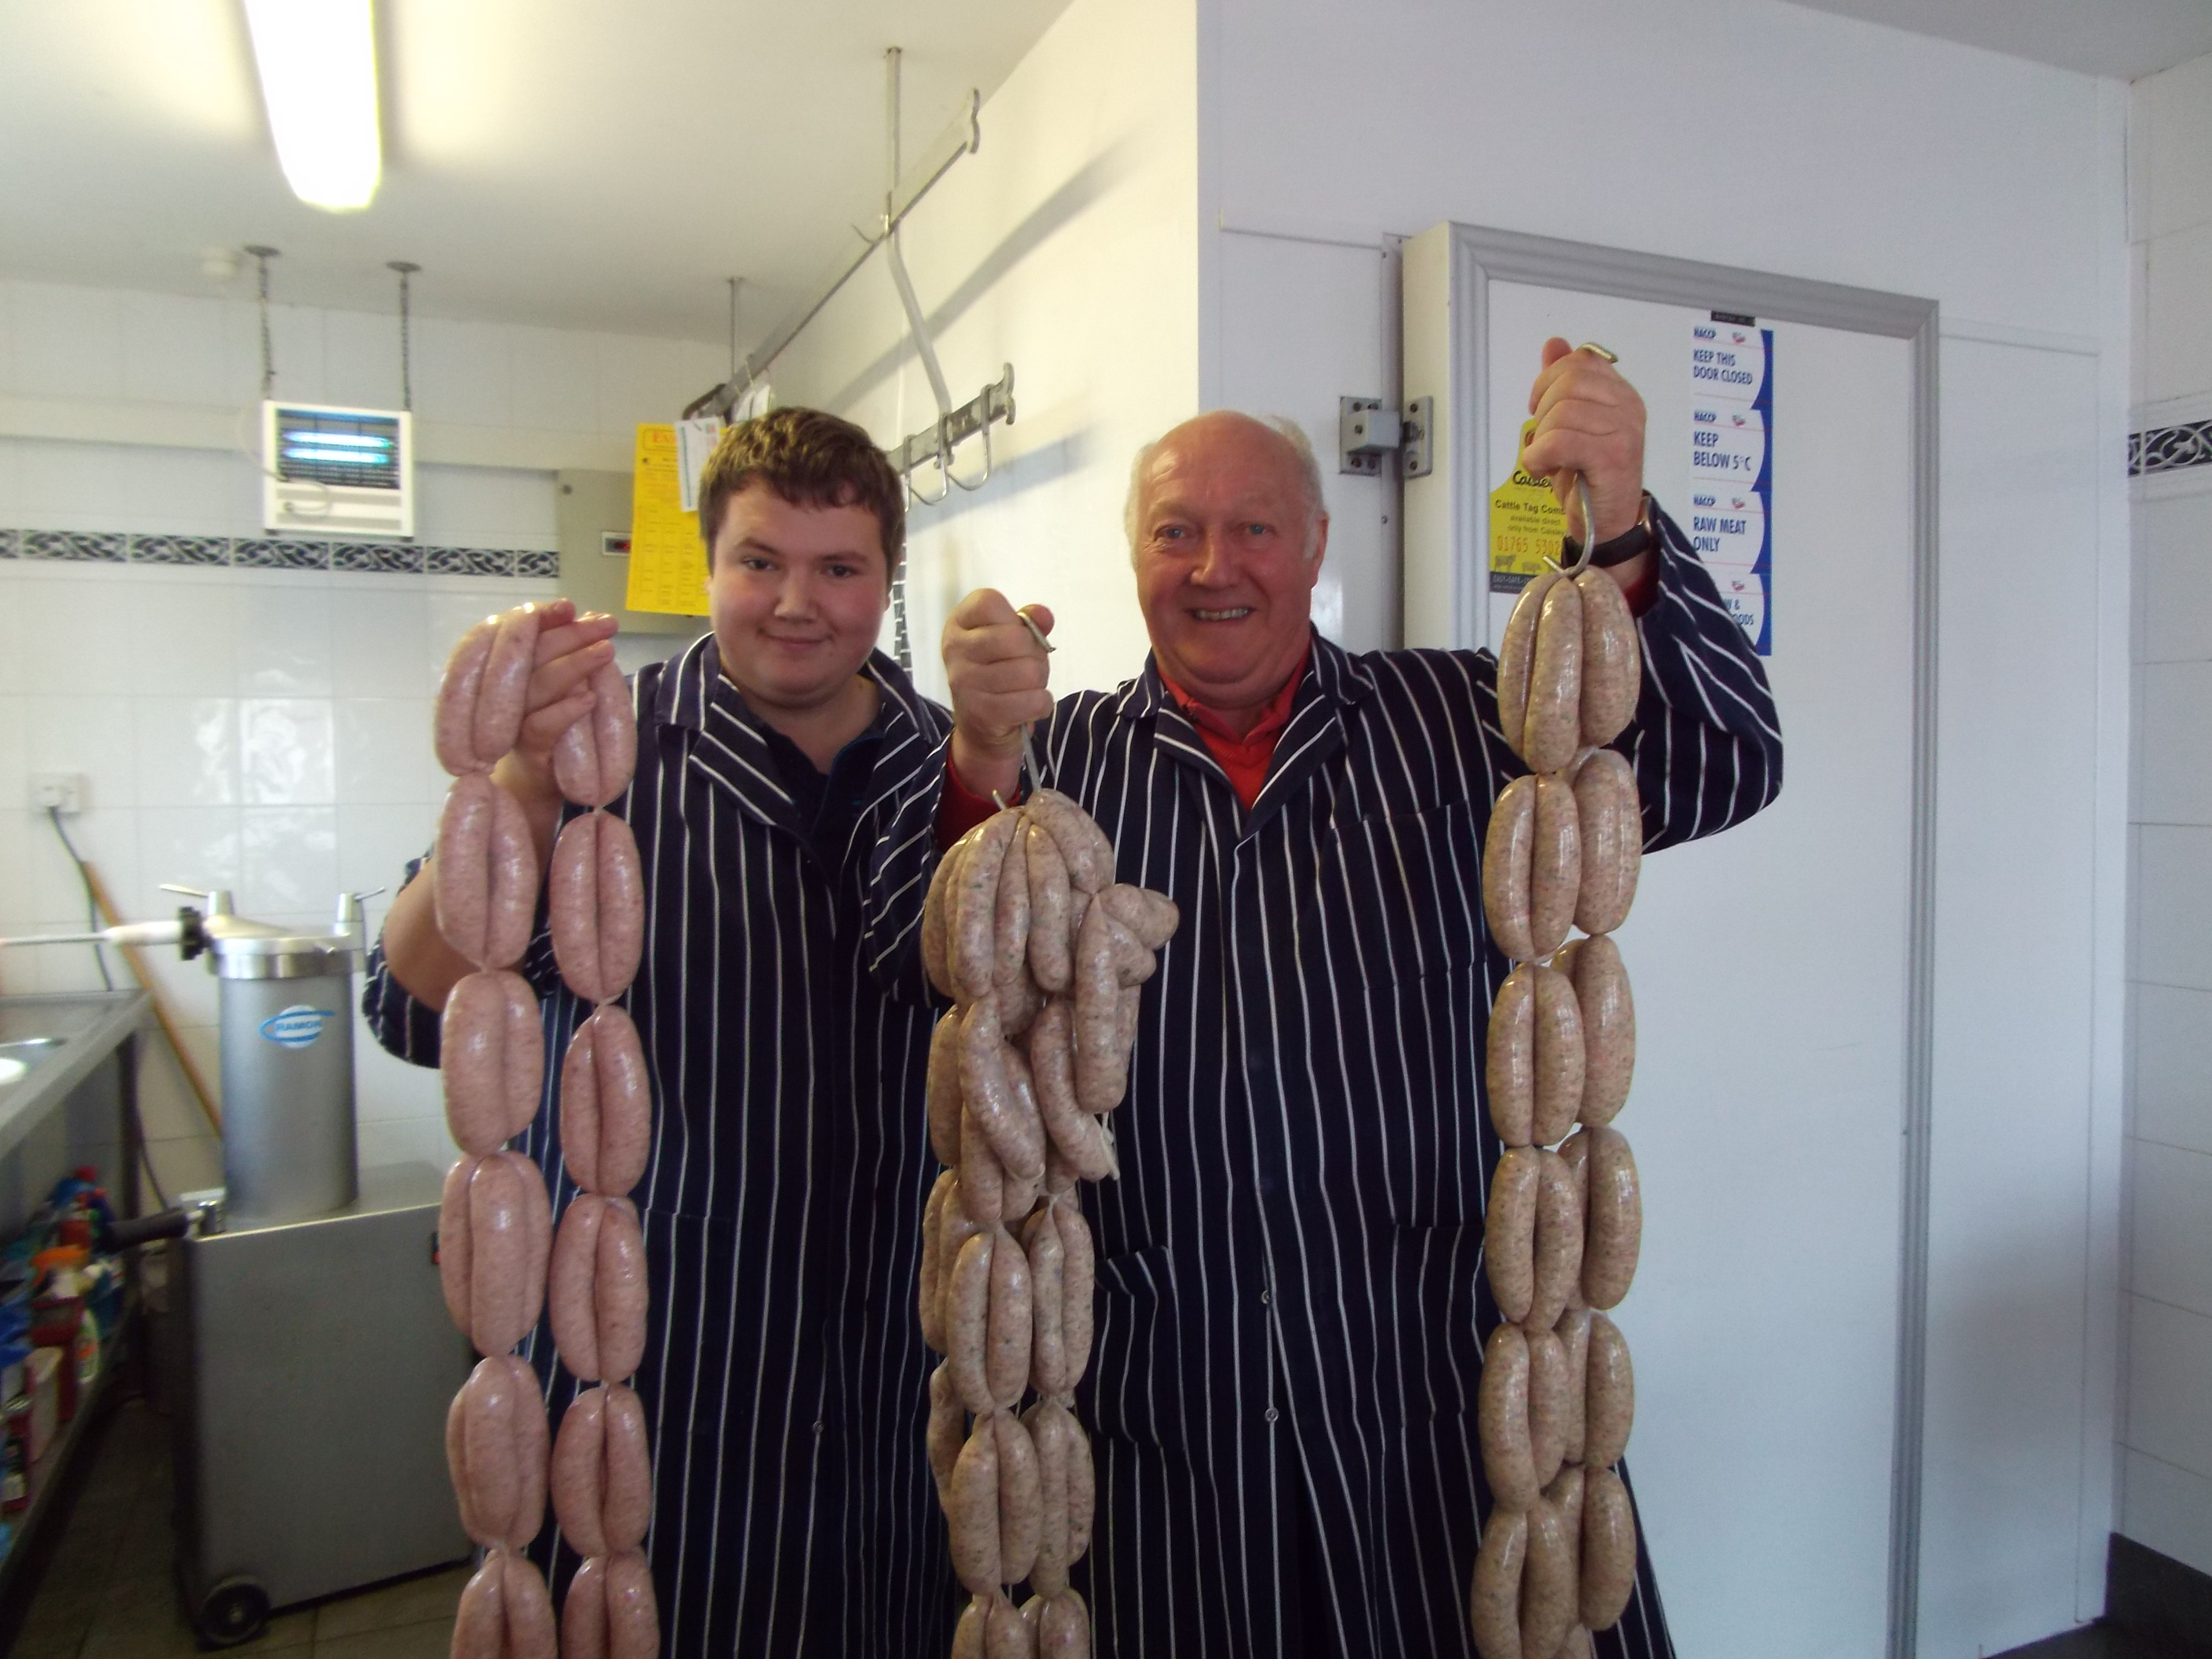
(809,458)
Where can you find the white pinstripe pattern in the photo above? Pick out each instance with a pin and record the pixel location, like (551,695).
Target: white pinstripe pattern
(1290,1298)
(785,1380)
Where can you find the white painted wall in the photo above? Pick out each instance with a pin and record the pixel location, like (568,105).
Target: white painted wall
(2166,1434)
(1765,136)
(263,730)
(1066,245)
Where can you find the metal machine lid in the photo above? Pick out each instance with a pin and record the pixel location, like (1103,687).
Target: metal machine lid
(239,949)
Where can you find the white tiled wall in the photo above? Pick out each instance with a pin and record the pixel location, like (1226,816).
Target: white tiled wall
(261,730)
(2167,1455)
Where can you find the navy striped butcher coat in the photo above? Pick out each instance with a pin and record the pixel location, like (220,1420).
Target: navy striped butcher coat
(784,1379)
(1291,1303)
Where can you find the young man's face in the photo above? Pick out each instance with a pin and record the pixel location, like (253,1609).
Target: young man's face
(796,595)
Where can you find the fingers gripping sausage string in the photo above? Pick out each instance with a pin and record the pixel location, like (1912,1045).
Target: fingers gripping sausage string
(1564,1219)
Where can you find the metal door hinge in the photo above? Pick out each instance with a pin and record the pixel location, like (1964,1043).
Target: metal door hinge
(1366,432)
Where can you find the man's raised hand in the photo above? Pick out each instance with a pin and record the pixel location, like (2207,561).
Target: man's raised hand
(998,671)
(1589,420)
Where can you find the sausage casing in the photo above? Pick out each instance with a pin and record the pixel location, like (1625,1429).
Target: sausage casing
(593,760)
(1046,1424)
(1012,1329)
(626,1509)
(1494,1598)
(1561,1066)
(968,1322)
(598,1288)
(1052,942)
(1548,1404)
(1078,1137)
(1502,1419)
(611,1612)
(595,890)
(1016,1136)
(972,1517)
(982,1177)
(1609,1550)
(485,874)
(929,1293)
(971,922)
(1509,1232)
(505,687)
(492,1058)
(1020,1496)
(1573,1330)
(936,918)
(454,725)
(948,1429)
(606,1104)
(1509,1057)
(1615,1207)
(1611,817)
(942,1091)
(504,1612)
(1102,1064)
(1515,655)
(496,1449)
(1020,1191)
(579,1473)
(1082,844)
(1609,1394)
(509,1229)
(1612,659)
(1064,1628)
(1010,934)
(1549,1593)
(1608,1019)
(1555,865)
(1558,1241)
(1048,1281)
(1151,918)
(1554,728)
(1508,847)
(1082,1488)
(1079,1279)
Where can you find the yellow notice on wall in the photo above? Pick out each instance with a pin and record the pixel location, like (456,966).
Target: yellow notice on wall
(667,565)
(1526,524)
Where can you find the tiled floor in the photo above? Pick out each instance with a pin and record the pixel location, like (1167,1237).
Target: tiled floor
(2102,1642)
(108,1591)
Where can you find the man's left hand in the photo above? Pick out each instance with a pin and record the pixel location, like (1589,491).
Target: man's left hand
(1589,420)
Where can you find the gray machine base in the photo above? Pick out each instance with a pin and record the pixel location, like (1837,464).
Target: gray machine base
(317,1364)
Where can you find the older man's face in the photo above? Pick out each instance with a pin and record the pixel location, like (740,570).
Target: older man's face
(1222,554)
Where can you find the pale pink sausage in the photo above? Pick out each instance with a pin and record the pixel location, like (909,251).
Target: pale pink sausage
(1553,730)
(1615,1208)
(1064,1632)
(982,1177)
(456,1260)
(929,1293)
(1612,820)
(1508,846)
(941,1093)
(968,1322)
(1082,1489)
(499,1473)
(1574,1333)
(579,1473)
(1151,917)
(1048,1260)
(1555,865)
(1608,1017)
(455,727)
(1515,653)
(584,1611)
(936,917)
(972,1517)
(1549,1594)
(570,1290)
(1021,1190)
(1502,1419)
(1102,1064)
(955,1227)
(593,760)
(530,1631)
(1006,1363)
(948,1429)
(509,1233)
(1019,1497)
(480,1621)
(1557,1032)
(1509,1232)
(485,875)
(1076,1135)
(596,892)
(1018,1138)
(1510,1062)
(606,1104)
(1547,1403)
(1559,1241)
(1494,1599)
(618,1290)
(1010,931)
(1608,1550)
(506,688)
(1612,659)
(971,922)
(492,1055)
(626,1509)
(968,1634)
(1046,1424)
(1079,1278)
(1082,844)
(1006,1635)
(1051,939)
(1609,1395)
(633,1609)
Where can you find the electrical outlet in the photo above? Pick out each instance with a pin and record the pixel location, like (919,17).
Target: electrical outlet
(64,792)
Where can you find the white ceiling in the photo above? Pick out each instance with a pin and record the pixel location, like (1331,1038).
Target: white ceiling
(591,165)
(562,163)
(2129,39)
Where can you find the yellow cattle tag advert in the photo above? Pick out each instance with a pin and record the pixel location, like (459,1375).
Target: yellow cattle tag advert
(1526,524)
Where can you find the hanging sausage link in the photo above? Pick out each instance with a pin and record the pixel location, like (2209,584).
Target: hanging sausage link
(498,1247)
(1565,1216)
(1043,956)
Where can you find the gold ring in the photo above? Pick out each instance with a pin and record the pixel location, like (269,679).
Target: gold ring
(1593,346)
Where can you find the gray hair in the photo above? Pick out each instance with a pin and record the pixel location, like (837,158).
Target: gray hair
(1302,449)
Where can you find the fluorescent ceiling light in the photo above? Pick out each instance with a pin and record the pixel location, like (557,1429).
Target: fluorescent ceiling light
(317,63)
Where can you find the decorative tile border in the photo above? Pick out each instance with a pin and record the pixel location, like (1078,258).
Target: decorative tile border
(2169,448)
(259,553)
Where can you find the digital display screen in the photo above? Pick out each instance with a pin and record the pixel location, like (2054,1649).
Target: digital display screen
(359,450)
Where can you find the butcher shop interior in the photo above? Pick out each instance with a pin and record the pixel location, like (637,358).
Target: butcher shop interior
(823,829)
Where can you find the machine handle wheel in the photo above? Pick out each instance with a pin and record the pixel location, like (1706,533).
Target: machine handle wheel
(235,1610)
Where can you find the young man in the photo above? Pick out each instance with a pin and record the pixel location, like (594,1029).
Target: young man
(785,1378)
(1291,1301)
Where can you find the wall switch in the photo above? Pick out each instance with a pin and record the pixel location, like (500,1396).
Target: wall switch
(64,792)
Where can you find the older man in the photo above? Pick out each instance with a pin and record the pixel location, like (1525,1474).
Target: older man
(1290,1304)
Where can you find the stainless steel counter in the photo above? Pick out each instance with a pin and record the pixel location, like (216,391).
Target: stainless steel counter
(60,1040)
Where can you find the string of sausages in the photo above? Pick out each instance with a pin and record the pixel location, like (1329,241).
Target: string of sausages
(1564,1218)
(499,1259)
(1044,955)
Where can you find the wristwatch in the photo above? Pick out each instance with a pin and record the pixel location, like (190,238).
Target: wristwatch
(1638,537)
